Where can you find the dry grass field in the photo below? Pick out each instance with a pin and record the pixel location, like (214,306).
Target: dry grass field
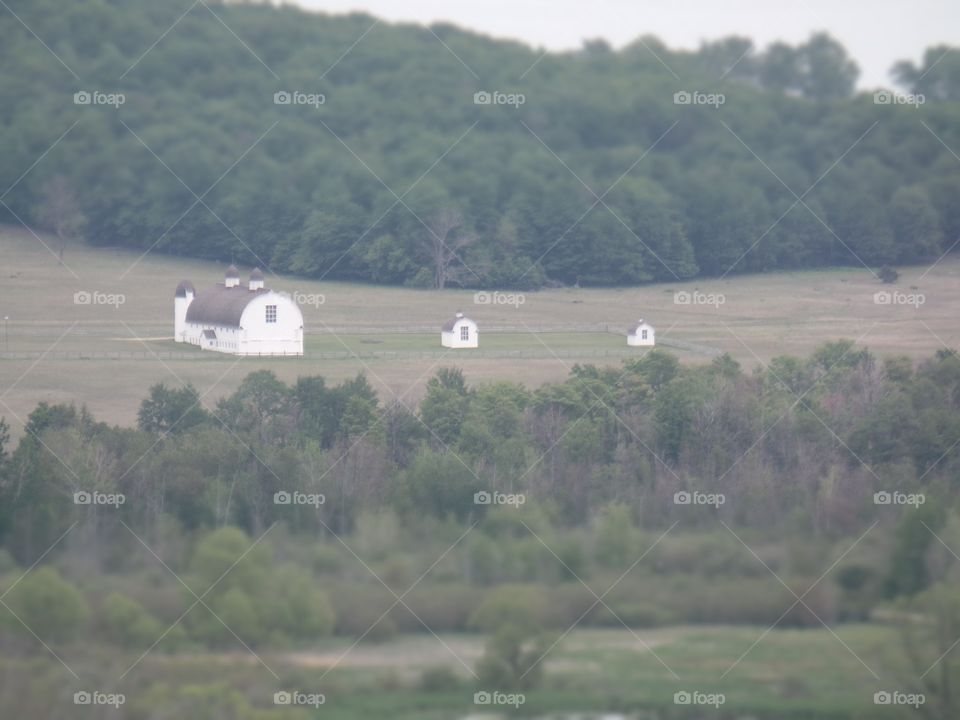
(106,356)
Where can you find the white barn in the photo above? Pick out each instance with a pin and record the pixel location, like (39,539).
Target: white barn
(641,335)
(460,332)
(238,319)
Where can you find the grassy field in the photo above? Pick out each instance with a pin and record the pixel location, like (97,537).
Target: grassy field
(614,674)
(106,356)
(792,673)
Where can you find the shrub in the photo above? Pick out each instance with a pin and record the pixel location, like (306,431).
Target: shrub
(125,622)
(519,605)
(48,605)
(439,679)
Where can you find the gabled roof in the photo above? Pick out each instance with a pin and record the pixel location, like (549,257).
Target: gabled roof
(640,324)
(232,272)
(451,323)
(221,305)
(257,274)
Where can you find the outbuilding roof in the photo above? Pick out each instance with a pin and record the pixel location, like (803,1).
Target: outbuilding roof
(640,324)
(221,305)
(451,323)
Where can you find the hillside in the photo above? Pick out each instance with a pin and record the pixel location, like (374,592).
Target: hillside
(378,161)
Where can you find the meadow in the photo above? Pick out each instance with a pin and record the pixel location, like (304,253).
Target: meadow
(105,355)
(794,674)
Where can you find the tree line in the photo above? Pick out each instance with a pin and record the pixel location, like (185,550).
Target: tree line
(600,177)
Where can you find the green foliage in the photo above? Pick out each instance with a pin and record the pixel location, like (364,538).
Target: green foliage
(513,658)
(500,202)
(47,605)
(513,605)
(171,411)
(126,623)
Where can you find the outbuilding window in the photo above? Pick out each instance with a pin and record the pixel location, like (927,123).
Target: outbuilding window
(643,334)
(271,313)
(464,332)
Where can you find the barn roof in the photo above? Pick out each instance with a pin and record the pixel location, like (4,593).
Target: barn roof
(449,324)
(221,305)
(640,324)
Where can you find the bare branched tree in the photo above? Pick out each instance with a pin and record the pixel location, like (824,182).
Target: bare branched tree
(444,242)
(60,211)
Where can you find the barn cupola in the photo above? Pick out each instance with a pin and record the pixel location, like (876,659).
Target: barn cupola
(256,279)
(232,278)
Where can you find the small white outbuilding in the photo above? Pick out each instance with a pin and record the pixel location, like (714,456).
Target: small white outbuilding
(641,335)
(460,332)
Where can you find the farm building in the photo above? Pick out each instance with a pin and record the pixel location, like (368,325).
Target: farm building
(238,319)
(642,334)
(459,332)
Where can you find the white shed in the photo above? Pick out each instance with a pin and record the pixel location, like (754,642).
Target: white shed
(642,334)
(460,332)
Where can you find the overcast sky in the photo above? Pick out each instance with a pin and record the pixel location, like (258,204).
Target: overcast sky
(876,33)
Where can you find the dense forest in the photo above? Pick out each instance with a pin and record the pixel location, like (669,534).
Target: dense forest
(798,449)
(392,173)
(489,508)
